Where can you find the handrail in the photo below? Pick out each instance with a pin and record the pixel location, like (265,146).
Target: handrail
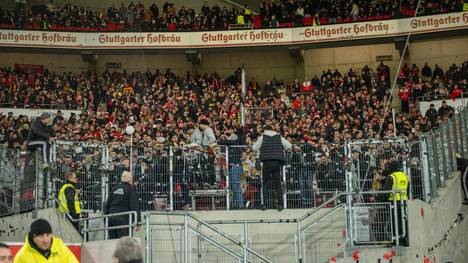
(216,243)
(208,225)
(132,223)
(334,210)
(215,229)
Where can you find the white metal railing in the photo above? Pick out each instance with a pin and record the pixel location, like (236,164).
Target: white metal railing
(193,224)
(84,222)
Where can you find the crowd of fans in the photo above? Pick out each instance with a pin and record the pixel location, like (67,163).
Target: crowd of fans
(168,17)
(319,114)
(334,107)
(427,83)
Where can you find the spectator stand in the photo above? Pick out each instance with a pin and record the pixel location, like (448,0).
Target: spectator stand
(167,17)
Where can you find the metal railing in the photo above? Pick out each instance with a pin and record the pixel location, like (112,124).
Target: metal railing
(85,223)
(438,148)
(22,182)
(317,236)
(189,228)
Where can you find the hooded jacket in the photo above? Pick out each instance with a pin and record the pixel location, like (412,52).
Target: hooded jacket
(59,253)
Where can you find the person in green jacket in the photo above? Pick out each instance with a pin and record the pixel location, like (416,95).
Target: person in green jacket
(42,247)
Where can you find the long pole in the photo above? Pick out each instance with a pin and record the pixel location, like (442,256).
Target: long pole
(131,153)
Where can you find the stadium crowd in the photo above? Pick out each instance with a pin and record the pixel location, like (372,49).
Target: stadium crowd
(168,17)
(334,107)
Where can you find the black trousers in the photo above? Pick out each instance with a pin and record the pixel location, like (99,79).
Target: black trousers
(271,175)
(76,224)
(118,221)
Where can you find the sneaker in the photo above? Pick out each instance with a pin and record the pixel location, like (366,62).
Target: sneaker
(247,204)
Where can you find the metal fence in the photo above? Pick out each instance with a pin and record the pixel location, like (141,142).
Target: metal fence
(438,151)
(89,163)
(20,181)
(182,178)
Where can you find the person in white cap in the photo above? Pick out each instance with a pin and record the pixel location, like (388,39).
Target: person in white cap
(123,198)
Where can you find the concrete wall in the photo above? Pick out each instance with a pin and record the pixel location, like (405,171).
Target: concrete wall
(444,52)
(432,231)
(263,64)
(431,223)
(344,58)
(15,228)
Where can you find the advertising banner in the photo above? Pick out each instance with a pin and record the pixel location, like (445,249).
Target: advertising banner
(235,38)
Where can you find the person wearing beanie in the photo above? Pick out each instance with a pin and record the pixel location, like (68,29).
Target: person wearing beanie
(42,246)
(40,135)
(123,198)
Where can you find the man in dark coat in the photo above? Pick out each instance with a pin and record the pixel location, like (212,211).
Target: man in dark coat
(123,198)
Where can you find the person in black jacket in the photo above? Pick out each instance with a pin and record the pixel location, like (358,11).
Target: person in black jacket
(40,135)
(123,198)
(271,146)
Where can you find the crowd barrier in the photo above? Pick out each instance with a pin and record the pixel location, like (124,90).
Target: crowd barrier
(229,177)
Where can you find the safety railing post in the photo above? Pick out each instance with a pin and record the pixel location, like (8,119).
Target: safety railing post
(130,229)
(245,245)
(299,242)
(283,185)
(171,178)
(148,238)
(395,221)
(186,237)
(228,191)
(199,245)
(106,227)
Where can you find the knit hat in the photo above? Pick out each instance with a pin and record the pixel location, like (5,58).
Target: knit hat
(45,115)
(126,177)
(39,227)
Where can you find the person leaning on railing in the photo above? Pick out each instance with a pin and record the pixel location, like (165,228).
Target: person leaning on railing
(68,198)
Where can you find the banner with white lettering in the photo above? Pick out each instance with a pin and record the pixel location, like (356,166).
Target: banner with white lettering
(213,39)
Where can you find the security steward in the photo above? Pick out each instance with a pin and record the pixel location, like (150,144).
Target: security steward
(68,198)
(271,147)
(123,198)
(400,183)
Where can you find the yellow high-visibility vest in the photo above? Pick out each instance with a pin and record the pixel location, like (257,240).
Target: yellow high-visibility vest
(240,20)
(400,183)
(465,6)
(63,200)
